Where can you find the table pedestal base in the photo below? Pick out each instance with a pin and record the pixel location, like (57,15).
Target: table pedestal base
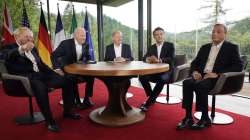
(117,112)
(115,120)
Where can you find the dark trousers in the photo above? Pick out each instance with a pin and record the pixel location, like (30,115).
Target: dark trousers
(75,79)
(201,88)
(41,82)
(160,79)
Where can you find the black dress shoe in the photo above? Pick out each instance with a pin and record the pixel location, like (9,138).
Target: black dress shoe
(81,106)
(73,116)
(52,126)
(185,123)
(144,107)
(201,124)
(88,103)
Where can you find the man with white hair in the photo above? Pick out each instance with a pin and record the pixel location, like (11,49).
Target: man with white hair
(213,59)
(22,59)
(72,51)
(118,51)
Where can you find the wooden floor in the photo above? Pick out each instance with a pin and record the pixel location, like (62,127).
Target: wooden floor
(231,103)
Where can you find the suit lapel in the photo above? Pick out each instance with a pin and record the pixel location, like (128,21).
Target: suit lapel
(113,50)
(164,47)
(155,52)
(36,57)
(74,50)
(220,54)
(123,51)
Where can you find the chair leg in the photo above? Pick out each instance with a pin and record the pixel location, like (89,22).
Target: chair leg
(216,117)
(167,94)
(168,99)
(31,118)
(213,108)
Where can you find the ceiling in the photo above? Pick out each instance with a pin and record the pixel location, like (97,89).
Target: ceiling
(113,3)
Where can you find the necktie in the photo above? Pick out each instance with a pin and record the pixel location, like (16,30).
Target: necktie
(31,57)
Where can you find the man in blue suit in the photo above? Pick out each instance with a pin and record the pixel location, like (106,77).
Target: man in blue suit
(117,51)
(22,59)
(214,58)
(160,52)
(72,51)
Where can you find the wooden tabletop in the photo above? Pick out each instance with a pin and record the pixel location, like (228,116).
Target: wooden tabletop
(116,69)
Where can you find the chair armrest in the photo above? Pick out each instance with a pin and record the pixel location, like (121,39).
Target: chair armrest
(24,80)
(181,72)
(229,82)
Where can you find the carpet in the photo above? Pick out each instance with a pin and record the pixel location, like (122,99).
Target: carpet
(159,123)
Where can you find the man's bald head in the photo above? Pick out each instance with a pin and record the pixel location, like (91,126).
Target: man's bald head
(80,35)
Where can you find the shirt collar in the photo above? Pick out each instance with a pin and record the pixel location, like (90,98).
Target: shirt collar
(118,46)
(159,45)
(219,45)
(77,44)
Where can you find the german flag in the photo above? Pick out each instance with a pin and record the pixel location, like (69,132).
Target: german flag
(44,44)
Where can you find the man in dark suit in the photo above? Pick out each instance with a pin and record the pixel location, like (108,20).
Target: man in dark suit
(72,51)
(160,52)
(22,59)
(117,51)
(214,58)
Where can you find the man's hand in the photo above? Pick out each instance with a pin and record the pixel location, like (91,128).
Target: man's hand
(27,47)
(59,71)
(119,59)
(152,59)
(196,75)
(210,75)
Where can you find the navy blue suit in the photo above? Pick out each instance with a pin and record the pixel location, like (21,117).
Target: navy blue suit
(40,81)
(110,53)
(167,55)
(65,54)
(227,60)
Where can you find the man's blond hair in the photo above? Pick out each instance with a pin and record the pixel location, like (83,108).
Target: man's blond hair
(19,31)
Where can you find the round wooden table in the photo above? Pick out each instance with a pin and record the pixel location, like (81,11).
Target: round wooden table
(116,76)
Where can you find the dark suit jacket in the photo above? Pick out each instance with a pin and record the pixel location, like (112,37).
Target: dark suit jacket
(65,54)
(228,59)
(21,65)
(110,52)
(167,54)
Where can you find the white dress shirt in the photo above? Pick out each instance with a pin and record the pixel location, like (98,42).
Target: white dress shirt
(118,50)
(30,56)
(159,47)
(212,57)
(78,50)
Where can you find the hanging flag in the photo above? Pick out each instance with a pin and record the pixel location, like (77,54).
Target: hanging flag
(59,33)
(25,19)
(7,30)
(73,23)
(88,37)
(44,44)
